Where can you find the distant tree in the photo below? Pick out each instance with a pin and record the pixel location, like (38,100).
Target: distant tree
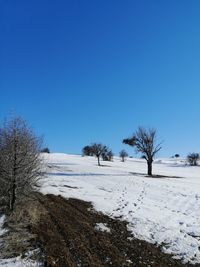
(45,150)
(87,151)
(144,141)
(20,162)
(98,150)
(123,154)
(176,155)
(193,158)
(107,155)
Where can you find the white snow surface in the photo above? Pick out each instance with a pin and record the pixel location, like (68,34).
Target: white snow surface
(18,262)
(163,211)
(102,227)
(2,220)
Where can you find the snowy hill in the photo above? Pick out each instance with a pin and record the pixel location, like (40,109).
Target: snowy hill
(164,210)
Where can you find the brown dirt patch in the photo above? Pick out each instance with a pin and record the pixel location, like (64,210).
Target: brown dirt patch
(66,232)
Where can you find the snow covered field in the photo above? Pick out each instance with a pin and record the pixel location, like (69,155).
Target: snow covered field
(160,210)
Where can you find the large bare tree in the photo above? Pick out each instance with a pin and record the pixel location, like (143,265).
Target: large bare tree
(20,162)
(144,141)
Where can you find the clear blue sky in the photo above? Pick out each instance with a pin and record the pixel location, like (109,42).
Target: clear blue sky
(93,70)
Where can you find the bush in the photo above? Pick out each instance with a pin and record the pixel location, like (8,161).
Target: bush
(45,150)
(107,155)
(193,158)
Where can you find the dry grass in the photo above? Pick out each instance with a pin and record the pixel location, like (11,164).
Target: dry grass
(18,240)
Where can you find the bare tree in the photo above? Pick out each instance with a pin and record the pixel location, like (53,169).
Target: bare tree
(98,150)
(123,154)
(20,163)
(144,140)
(193,158)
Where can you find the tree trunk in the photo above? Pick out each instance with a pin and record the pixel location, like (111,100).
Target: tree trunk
(149,167)
(13,182)
(98,161)
(12,196)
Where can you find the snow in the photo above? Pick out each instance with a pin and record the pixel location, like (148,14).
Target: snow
(2,220)
(102,227)
(18,262)
(163,211)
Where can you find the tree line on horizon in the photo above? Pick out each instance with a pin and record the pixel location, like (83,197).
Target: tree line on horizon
(144,141)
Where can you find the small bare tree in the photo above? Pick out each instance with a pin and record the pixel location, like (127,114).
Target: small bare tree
(20,163)
(98,150)
(144,140)
(123,154)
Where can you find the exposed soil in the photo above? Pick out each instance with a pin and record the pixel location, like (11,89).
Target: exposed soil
(67,233)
